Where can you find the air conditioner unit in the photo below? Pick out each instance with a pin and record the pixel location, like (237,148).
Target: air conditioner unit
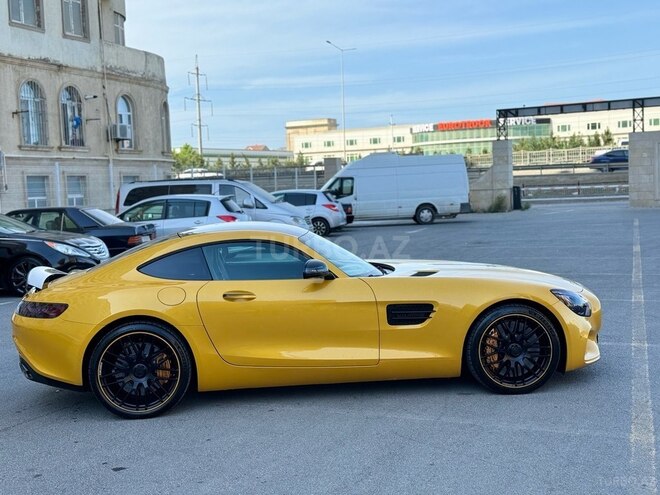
(120,132)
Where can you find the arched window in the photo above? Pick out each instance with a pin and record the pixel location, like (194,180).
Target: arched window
(34,130)
(72,121)
(165,127)
(125,123)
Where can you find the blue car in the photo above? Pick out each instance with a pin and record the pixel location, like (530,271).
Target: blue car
(612,156)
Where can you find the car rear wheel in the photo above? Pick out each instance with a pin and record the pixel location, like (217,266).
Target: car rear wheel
(18,274)
(140,370)
(512,349)
(425,214)
(320,226)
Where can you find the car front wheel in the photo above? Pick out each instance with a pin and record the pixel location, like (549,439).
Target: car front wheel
(140,370)
(18,274)
(512,349)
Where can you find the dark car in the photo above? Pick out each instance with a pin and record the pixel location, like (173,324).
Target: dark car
(117,234)
(22,247)
(612,156)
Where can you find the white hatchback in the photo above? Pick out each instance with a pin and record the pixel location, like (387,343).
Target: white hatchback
(177,212)
(325,212)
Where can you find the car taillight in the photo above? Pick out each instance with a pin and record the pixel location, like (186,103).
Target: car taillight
(227,218)
(134,240)
(40,310)
(349,209)
(331,207)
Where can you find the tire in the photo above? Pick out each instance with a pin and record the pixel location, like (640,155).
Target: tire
(513,349)
(320,226)
(140,370)
(18,273)
(425,214)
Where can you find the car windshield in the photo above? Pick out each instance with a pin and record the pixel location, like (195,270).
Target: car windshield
(347,262)
(103,217)
(11,226)
(262,192)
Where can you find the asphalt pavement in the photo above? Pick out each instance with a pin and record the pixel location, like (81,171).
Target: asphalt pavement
(590,431)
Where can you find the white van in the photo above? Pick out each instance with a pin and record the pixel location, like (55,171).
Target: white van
(390,186)
(259,204)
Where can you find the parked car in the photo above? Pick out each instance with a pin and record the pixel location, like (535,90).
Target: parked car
(170,214)
(23,247)
(254,304)
(325,212)
(114,232)
(255,201)
(613,156)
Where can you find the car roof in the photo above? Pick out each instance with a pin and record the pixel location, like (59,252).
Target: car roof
(297,191)
(211,197)
(261,227)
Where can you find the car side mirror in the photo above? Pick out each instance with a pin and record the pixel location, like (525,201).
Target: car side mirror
(248,203)
(316,269)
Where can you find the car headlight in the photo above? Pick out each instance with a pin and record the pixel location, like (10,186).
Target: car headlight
(573,301)
(68,250)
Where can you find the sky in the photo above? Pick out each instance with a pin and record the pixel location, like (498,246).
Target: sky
(415,61)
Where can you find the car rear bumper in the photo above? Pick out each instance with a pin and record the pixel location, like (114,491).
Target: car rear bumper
(31,374)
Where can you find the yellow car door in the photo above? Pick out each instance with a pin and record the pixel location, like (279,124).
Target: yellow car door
(259,311)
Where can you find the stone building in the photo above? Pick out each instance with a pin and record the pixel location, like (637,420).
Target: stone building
(80,112)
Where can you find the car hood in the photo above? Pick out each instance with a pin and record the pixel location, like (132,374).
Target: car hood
(475,271)
(51,235)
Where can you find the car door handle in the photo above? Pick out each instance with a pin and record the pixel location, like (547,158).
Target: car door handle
(197,222)
(238,295)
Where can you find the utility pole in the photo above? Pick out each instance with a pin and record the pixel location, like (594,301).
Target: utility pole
(197,98)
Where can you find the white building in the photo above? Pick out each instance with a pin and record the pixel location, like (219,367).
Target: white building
(81,112)
(319,139)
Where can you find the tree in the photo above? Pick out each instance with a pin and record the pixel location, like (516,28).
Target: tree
(594,140)
(260,162)
(608,139)
(232,161)
(218,165)
(187,157)
(575,141)
(300,160)
(247,162)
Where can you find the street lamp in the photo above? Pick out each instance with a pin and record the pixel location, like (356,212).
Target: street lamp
(343,107)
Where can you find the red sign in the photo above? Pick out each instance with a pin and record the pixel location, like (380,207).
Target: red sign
(463,124)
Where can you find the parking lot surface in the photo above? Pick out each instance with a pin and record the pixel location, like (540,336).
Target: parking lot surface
(589,431)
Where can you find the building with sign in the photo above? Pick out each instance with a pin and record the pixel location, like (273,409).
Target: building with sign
(464,136)
(81,112)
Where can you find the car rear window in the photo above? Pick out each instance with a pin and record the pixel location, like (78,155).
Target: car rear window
(144,192)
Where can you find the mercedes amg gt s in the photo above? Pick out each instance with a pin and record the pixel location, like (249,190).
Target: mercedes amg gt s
(257,304)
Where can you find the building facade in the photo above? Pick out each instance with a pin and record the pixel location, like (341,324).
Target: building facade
(467,137)
(81,111)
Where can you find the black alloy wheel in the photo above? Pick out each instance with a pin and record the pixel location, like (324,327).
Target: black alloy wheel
(513,349)
(320,226)
(140,370)
(18,274)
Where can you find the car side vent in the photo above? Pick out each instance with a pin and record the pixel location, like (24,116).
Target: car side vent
(423,274)
(408,314)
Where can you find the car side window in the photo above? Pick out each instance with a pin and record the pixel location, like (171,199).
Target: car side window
(254,260)
(342,187)
(310,199)
(182,208)
(152,210)
(189,264)
(50,220)
(69,225)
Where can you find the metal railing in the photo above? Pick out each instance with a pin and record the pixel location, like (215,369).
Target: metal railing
(543,157)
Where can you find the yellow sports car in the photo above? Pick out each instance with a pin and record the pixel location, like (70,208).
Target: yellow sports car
(255,305)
